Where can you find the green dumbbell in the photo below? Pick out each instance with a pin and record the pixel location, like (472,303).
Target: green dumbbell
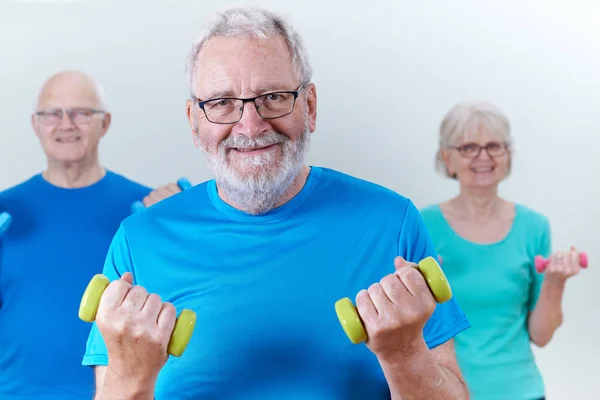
(348,313)
(184,326)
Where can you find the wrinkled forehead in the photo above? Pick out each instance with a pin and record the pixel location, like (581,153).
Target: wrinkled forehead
(242,67)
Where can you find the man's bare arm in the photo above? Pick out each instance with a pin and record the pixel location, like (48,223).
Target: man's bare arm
(426,374)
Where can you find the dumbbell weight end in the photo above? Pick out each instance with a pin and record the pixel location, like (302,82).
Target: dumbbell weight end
(184,325)
(348,313)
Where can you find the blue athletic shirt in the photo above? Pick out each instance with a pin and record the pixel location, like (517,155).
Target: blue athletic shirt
(264,287)
(57,241)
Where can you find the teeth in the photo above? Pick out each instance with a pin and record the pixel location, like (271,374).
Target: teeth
(67,140)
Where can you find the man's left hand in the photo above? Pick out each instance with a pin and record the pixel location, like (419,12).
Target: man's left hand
(395,310)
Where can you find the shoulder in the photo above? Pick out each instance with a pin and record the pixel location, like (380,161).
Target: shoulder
(20,189)
(120,179)
(192,200)
(346,187)
(121,182)
(532,219)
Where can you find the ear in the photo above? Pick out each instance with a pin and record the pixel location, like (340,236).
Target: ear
(189,112)
(106,123)
(34,125)
(311,104)
(445,156)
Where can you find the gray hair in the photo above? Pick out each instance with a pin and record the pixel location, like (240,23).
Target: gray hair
(459,122)
(251,22)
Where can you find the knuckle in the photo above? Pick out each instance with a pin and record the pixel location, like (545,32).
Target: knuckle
(374,288)
(154,299)
(169,307)
(388,279)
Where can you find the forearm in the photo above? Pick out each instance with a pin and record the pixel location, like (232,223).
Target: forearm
(115,387)
(547,315)
(421,376)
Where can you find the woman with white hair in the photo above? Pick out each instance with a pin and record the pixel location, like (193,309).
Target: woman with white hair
(488,245)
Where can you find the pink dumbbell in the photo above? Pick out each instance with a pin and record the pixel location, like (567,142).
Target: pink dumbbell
(541,262)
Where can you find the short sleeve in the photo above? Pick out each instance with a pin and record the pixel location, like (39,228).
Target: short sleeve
(415,244)
(118,261)
(544,249)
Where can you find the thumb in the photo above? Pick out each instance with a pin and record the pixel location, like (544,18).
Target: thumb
(400,262)
(128,277)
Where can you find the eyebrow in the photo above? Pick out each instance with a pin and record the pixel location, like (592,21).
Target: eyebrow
(217,94)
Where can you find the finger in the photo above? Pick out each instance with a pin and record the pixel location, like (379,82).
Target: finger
(173,188)
(166,317)
(414,282)
(379,298)
(128,277)
(394,288)
(114,294)
(556,263)
(164,191)
(400,262)
(366,309)
(573,263)
(152,307)
(135,298)
(152,198)
(147,200)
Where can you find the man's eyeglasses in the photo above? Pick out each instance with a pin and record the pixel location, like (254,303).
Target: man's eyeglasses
(472,150)
(79,116)
(229,110)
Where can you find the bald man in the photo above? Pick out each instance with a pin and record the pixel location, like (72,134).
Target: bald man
(63,221)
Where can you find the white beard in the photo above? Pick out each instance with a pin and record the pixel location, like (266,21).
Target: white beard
(259,188)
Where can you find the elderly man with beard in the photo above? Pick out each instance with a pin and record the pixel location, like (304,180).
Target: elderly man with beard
(263,251)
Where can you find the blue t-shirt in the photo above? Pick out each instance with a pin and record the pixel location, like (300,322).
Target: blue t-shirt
(57,240)
(264,287)
(497,286)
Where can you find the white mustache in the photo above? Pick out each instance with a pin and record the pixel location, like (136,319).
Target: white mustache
(244,142)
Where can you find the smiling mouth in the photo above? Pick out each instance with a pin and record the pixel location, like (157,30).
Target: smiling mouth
(71,139)
(253,149)
(483,170)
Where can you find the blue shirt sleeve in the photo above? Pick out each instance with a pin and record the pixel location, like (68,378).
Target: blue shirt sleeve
(415,244)
(544,249)
(118,261)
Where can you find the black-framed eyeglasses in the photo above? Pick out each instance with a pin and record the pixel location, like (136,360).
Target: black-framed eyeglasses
(229,110)
(472,150)
(79,116)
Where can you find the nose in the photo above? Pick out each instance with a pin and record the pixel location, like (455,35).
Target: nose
(65,122)
(483,154)
(251,124)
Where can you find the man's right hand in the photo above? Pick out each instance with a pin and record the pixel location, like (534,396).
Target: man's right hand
(136,328)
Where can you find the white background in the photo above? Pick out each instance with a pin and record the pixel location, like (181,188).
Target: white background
(386,72)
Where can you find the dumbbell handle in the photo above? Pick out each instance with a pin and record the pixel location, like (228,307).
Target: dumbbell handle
(182,332)
(5,221)
(183,184)
(541,263)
